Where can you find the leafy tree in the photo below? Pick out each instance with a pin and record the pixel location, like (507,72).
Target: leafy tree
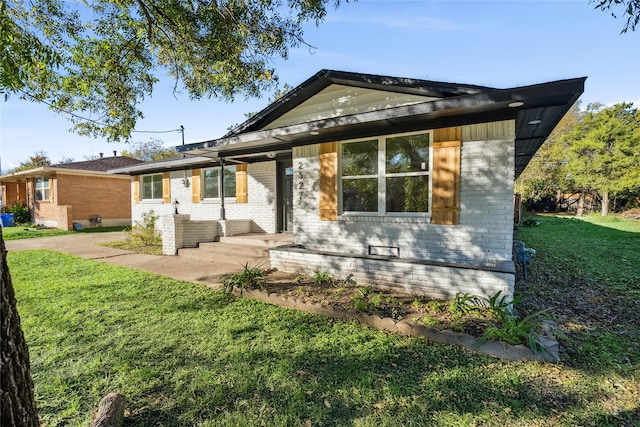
(37,160)
(604,151)
(631,9)
(151,150)
(546,173)
(101,58)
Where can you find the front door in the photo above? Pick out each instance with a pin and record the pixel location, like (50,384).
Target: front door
(285,202)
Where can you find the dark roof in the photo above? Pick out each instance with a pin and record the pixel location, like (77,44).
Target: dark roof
(100,165)
(325,78)
(536,109)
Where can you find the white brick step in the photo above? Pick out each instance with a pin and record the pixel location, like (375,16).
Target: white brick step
(259,240)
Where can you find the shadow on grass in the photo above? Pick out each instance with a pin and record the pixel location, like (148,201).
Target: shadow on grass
(587,274)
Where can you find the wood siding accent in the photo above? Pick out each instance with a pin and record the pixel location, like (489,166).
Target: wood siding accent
(329,181)
(195,186)
(241,183)
(136,189)
(166,187)
(445,184)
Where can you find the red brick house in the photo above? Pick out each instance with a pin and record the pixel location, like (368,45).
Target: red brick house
(78,192)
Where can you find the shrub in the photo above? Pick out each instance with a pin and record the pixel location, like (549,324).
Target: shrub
(21,213)
(144,233)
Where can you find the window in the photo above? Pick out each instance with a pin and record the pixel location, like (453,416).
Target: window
(152,186)
(211,187)
(42,189)
(386,175)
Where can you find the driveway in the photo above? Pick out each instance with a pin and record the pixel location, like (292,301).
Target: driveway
(87,245)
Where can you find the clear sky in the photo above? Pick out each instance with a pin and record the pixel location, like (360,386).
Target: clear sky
(491,43)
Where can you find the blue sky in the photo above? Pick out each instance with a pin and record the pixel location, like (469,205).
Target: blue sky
(492,43)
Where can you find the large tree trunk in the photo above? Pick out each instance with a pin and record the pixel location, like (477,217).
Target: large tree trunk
(580,211)
(18,407)
(605,203)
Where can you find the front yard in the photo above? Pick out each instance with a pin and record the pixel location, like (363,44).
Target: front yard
(185,355)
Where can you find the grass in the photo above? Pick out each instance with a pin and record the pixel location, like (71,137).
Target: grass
(29,232)
(184,355)
(586,271)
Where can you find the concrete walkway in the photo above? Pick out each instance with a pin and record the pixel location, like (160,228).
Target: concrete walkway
(87,245)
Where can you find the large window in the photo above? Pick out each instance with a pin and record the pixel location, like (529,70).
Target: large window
(152,186)
(42,189)
(211,187)
(386,175)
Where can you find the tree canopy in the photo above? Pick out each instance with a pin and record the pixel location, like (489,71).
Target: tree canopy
(596,150)
(37,160)
(98,60)
(151,150)
(630,9)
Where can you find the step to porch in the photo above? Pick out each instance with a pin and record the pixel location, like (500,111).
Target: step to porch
(261,240)
(242,249)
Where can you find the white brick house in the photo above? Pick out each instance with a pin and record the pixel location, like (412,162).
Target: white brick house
(398,182)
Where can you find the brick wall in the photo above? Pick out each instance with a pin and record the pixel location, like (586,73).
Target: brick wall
(483,237)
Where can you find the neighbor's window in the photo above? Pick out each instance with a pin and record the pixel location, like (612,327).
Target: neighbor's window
(152,186)
(211,187)
(386,175)
(42,189)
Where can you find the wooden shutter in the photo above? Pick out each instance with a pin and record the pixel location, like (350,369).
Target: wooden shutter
(328,181)
(241,183)
(445,180)
(135,184)
(195,186)
(166,187)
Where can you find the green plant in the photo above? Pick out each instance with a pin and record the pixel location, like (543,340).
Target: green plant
(376,300)
(21,213)
(435,306)
(463,304)
(430,321)
(516,330)
(248,278)
(323,278)
(359,304)
(144,232)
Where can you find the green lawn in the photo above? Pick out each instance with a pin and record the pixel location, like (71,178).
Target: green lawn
(29,232)
(185,355)
(587,272)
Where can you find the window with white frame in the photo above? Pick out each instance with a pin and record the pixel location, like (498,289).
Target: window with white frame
(386,175)
(152,186)
(42,189)
(211,178)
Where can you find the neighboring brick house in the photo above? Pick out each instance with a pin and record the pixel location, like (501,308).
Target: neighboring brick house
(77,192)
(398,182)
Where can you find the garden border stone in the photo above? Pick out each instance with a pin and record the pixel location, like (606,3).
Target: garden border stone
(498,349)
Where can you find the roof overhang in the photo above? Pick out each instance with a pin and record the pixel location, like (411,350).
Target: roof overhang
(49,171)
(185,162)
(546,103)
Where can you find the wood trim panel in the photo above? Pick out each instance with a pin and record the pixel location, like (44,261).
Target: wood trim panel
(329,181)
(195,186)
(241,183)
(166,187)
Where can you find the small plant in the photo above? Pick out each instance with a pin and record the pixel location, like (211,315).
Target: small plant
(323,278)
(144,232)
(430,321)
(435,306)
(416,303)
(463,304)
(300,278)
(376,300)
(359,304)
(516,330)
(248,278)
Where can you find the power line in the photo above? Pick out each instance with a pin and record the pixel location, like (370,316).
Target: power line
(61,110)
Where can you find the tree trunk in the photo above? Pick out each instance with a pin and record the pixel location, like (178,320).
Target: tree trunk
(605,203)
(18,407)
(580,211)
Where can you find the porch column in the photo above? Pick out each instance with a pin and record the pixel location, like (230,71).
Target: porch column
(222,213)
